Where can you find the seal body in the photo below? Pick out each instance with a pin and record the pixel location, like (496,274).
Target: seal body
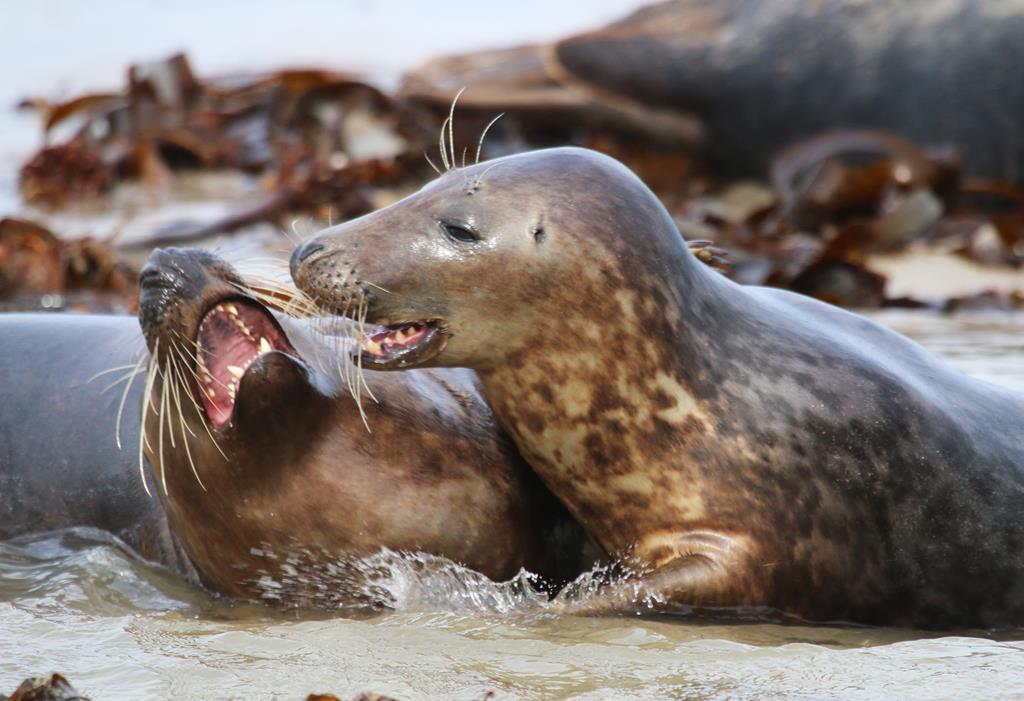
(60,465)
(760,75)
(738,446)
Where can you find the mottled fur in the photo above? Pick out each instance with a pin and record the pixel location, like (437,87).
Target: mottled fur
(742,445)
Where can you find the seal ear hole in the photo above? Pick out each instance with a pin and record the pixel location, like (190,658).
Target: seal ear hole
(539,235)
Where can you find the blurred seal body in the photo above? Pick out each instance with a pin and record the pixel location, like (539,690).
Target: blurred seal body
(740,446)
(762,75)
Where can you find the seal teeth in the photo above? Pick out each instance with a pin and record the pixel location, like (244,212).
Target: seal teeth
(265,346)
(236,371)
(243,328)
(371,345)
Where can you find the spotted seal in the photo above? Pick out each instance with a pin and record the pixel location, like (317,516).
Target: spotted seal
(737,446)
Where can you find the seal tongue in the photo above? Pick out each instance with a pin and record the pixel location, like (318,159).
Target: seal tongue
(231,337)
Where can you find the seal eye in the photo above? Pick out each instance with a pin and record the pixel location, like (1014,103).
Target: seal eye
(459,233)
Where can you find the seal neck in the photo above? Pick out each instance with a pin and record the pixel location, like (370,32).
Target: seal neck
(600,400)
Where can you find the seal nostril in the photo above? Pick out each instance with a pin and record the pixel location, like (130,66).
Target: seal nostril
(305,251)
(154,276)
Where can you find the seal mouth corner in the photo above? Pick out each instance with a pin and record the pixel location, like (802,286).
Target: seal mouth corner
(232,335)
(401,345)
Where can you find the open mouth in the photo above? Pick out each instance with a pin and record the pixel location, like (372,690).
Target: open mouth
(232,336)
(401,345)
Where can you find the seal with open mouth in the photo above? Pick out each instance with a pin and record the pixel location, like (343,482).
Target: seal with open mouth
(738,446)
(264,480)
(275,467)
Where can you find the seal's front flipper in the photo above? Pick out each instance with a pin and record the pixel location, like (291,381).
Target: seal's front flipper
(688,569)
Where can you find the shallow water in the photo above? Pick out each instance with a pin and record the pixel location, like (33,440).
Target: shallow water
(121,629)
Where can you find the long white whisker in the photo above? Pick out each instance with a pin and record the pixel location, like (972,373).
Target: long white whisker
(147,393)
(199,411)
(101,373)
(451,124)
(480,144)
(431,163)
(124,378)
(160,430)
(124,398)
(184,425)
(443,148)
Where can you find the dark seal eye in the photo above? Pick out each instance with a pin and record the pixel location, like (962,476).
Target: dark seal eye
(459,233)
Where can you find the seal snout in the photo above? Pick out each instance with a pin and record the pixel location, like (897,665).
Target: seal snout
(328,279)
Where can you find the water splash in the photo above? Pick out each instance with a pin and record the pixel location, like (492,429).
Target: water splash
(389,579)
(417,581)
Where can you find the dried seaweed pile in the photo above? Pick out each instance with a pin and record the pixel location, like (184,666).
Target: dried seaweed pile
(839,198)
(329,146)
(318,135)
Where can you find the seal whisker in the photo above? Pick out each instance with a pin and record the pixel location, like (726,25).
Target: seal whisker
(483,135)
(168,380)
(177,348)
(279,294)
(147,393)
(124,398)
(431,163)
(160,428)
(359,396)
(364,309)
(183,424)
(195,358)
(451,124)
(359,381)
(101,373)
(124,378)
(351,369)
(200,413)
(376,286)
(180,384)
(442,147)
(480,178)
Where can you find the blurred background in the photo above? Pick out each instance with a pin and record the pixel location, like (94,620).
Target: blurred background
(56,52)
(867,154)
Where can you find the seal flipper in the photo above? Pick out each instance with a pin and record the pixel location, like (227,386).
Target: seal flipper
(698,568)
